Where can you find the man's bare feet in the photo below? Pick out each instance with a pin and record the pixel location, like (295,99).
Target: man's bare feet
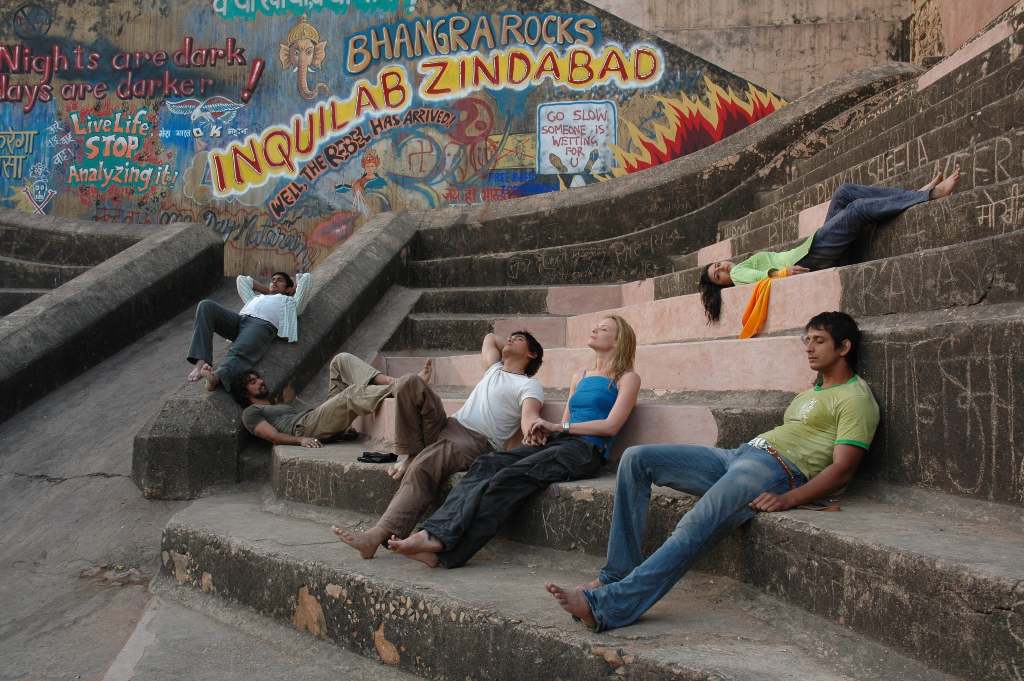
(212,380)
(931,185)
(428,559)
(594,584)
(946,186)
(573,602)
(397,470)
(427,371)
(196,372)
(366,543)
(417,542)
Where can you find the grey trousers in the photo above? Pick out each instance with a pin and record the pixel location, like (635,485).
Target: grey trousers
(251,338)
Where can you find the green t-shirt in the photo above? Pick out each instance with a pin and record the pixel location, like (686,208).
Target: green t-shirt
(282,416)
(756,267)
(819,419)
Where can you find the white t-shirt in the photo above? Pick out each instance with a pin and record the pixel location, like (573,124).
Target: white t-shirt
(269,308)
(493,408)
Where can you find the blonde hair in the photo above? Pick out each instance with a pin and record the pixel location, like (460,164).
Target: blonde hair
(624,352)
(302,31)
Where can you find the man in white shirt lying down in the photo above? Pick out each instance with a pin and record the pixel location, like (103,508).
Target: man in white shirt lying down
(268,312)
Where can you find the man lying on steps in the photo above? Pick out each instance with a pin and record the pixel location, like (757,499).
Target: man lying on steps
(268,312)
(816,450)
(356,388)
(436,445)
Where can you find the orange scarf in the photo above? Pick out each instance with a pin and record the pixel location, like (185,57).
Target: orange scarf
(756,312)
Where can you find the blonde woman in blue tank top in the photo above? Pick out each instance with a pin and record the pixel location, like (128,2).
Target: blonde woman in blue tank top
(601,398)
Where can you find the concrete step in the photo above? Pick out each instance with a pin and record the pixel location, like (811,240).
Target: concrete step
(13,298)
(955,94)
(966,216)
(990,150)
(985,271)
(727,364)
(464,331)
(63,246)
(495,612)
(507,300)
(985,142)
(16,273)
(889,565)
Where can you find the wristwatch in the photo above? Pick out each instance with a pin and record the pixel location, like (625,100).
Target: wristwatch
(565,426)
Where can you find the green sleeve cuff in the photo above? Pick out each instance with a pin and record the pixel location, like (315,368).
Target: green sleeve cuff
(855,443)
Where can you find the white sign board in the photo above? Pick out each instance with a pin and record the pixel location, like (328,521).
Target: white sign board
(575,137)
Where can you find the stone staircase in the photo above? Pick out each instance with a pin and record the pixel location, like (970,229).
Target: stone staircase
(918,577)
(37,256)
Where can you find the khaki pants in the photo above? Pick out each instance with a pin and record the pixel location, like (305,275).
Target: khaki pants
(439,446)
(350,396)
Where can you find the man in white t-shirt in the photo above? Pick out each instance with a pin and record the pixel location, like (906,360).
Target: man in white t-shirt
(268,312)
(436,445)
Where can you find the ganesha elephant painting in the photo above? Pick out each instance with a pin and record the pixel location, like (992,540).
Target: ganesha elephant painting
(304,52)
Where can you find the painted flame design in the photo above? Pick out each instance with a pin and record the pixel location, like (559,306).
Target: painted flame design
(693,125)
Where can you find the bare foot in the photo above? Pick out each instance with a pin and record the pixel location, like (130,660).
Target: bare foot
(196,373)
(397,470)
(946,187)
(428,559)
(931,185)
(417,542)
(595,584)
(573,602)
(427,371)
(212,380)
(366,543)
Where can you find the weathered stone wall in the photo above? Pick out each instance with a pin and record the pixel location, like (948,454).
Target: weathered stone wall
(790,47)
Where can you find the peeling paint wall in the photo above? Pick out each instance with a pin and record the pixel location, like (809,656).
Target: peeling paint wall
(285,125)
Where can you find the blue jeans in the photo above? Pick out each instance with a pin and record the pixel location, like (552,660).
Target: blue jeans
(728,479)
(855,207)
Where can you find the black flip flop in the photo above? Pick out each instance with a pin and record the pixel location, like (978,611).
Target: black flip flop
(378,457)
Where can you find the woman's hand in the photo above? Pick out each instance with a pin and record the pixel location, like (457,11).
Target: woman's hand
(544,428)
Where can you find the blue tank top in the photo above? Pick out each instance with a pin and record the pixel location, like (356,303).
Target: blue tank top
(592,401)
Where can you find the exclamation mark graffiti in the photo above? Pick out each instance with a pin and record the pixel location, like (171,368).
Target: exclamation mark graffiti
(254,78)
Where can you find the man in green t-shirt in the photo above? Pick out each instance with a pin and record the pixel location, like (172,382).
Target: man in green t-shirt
(825,432)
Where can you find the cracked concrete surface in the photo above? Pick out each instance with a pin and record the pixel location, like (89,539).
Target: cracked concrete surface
(67,504)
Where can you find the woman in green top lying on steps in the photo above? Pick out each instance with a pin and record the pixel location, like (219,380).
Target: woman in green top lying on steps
(853,207)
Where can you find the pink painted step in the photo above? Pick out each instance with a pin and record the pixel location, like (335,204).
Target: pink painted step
(650,423)
(793,301)
(770,363)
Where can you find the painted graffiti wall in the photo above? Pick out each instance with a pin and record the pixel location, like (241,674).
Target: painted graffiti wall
(285,124)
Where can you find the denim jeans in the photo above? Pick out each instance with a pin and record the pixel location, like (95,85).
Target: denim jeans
(498,484)
(855,207)
(728,479)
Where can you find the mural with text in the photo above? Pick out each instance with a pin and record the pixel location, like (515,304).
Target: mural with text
(286,124)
